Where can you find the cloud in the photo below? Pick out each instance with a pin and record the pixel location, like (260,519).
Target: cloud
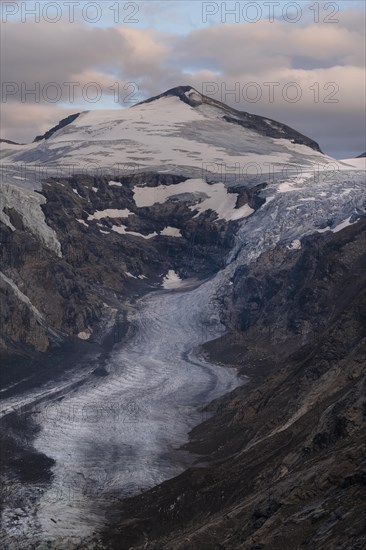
(23,121)
(235,49)
(325,61)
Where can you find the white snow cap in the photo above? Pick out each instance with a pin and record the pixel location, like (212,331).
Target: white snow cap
(179,131)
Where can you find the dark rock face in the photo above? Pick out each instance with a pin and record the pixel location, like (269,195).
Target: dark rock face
(361,156)
(283,458)
(64,122)
(9,142)
(277,130)
(249,196)
(73,293)
(178,91)
(316,282)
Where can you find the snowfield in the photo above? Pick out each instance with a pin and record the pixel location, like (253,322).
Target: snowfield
(164,135)
(358,163)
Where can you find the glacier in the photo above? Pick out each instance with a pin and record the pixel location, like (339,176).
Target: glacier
(120,433)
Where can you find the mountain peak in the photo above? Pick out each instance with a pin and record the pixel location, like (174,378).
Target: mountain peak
(187,94)
(262,125)
(206,127)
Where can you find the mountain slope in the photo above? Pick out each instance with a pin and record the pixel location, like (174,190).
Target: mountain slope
(91,237)
(72,216)
(233,223)
(180,131)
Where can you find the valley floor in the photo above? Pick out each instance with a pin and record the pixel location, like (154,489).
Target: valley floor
(117,432)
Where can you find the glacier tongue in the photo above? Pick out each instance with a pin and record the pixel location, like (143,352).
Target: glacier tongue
(115,435)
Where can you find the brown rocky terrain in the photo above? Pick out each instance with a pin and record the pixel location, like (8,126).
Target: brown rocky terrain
(99,269)
(281,464)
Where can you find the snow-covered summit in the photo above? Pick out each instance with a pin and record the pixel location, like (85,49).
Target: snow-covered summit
(187,94)
(179,131)
(264,126)
(211,146)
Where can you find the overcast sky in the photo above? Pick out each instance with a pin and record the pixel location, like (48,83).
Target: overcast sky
(285,60)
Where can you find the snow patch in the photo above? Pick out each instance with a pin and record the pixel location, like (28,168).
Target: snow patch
(194,95)
(115,184)
(172,280)
(171,232)
(109,213)
(295,245)
(342,225)
(324,230)
(84,335)
(122,230)
(209,197)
